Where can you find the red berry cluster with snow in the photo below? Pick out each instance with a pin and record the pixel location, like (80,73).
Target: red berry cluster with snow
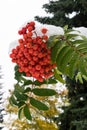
(32,55)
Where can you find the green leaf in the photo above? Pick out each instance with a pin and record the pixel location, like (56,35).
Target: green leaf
(51,80)
(58,76)
(39,105)
(37,83)
(20,113)
(21,103)
(44,92)
(83,52)
(73,65)
(13,101)
(82,46)
(79,77)
(27,82)
(83,66)
(20,96)
(18,75)
(27,90)
(62,53)
(84,37)
(16,68)
(71,36)
(64,58)
(65,28)
(55,50)
(78,42)
(52,41)
(84,77)
(19,88)
(27,112)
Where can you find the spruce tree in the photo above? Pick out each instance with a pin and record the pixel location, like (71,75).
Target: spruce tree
(74,116)
(61,11)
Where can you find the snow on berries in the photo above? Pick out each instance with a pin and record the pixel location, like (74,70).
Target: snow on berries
(32,55)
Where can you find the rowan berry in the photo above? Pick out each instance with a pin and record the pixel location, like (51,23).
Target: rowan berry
(30,28)
(24,30)
(30,51)
(25,36)
(35,58)
(32,23)
(32,55)
(38,67)
(28,45)
(44,30)
(29,34)
(45,37)
(20,32)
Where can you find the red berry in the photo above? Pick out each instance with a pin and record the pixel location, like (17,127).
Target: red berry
(30,28)
(44,30)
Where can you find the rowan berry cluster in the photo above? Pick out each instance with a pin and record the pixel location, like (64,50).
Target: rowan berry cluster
(32,55)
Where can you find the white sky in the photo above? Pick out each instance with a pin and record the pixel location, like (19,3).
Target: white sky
(13,14)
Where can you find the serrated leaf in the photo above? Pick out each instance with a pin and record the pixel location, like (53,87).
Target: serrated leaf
(27,90)
(78,42)
(16,68)
(20,96)
(52,41)
(37,104)
(62,53)
(27,82)
(43,92)
(63,58)
(51,80)
(27,112)
(83,52)
(65,28)
(19,88)
(55,50)
(84,37)
(21,103)
(82,46)
(20,113)
(71,36)
(83,67)
(18,75)
(68,30)
(72,65)
(66,60)
(13,101)
(79,77)
(37,83)
(84,77)
(58,76)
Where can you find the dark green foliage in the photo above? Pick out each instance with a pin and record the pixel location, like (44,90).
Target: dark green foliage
(70,54)
(70,61)
(61,10)
(38,104)
(75,115)
(44,92)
